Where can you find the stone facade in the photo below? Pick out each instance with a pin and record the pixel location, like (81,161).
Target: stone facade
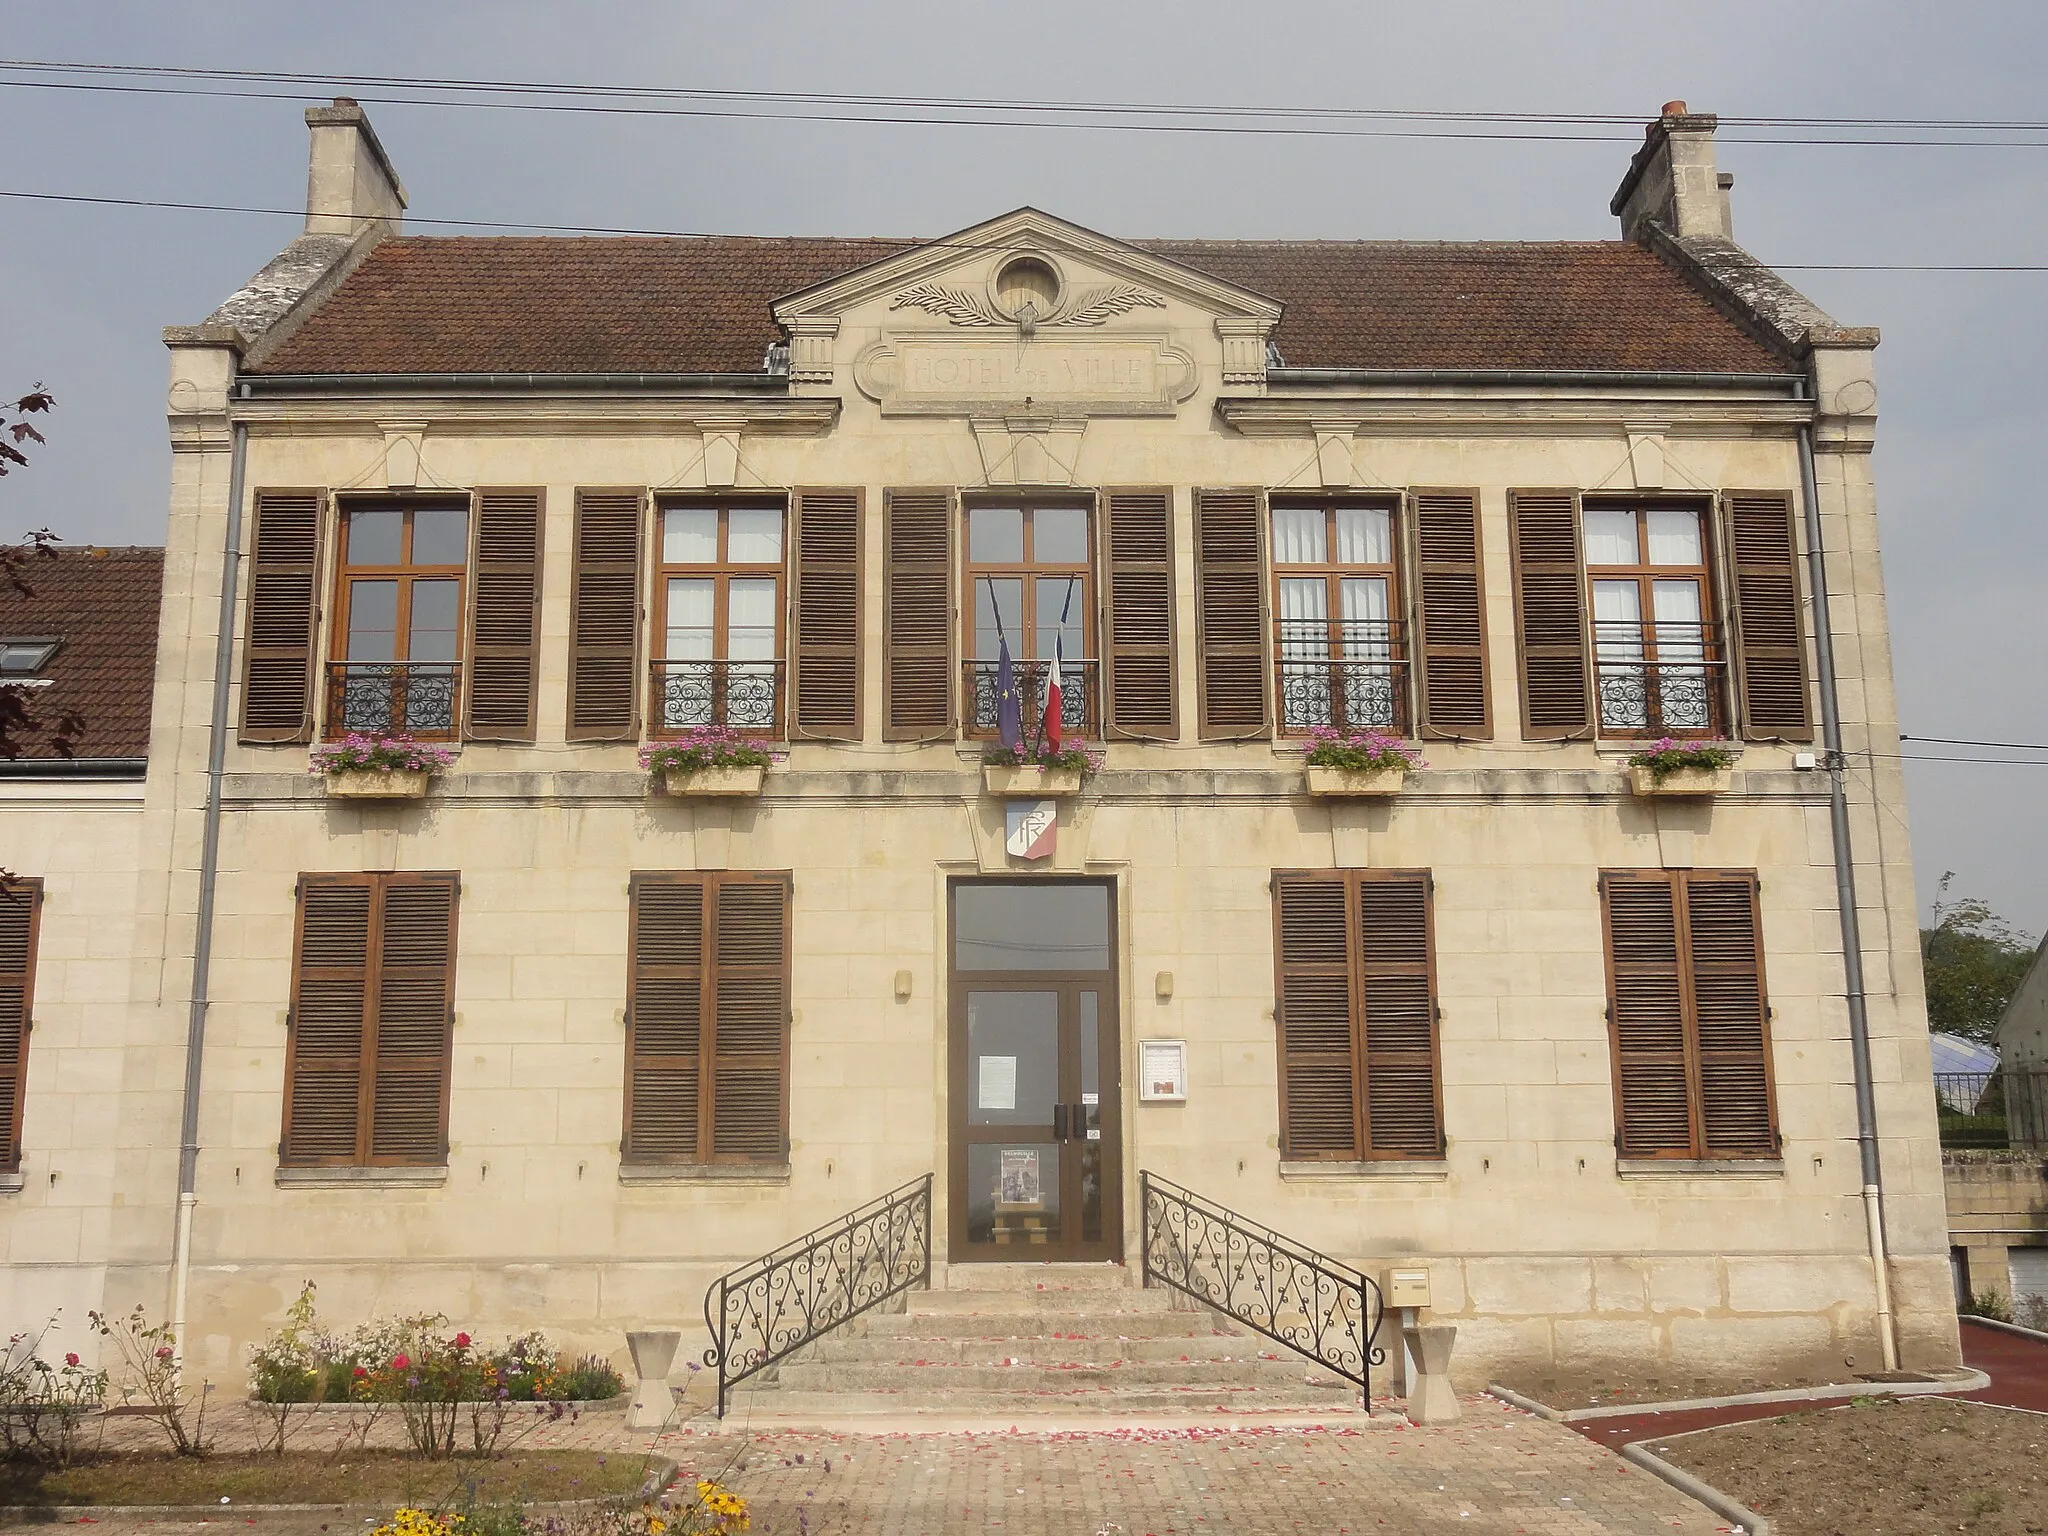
(1543,1244)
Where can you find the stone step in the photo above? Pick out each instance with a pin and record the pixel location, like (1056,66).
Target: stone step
(1007,1278)
(1059,1349)
(885,1401)
(1047,1301)
(1038,1325)
(1135,1376)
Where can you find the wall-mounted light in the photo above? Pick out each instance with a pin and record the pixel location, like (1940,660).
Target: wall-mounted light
(903,986)
(1162,986)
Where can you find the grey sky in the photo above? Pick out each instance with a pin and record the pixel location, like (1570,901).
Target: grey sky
(1966,551)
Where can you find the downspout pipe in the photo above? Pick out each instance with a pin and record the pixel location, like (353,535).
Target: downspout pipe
(209,874)
(1845,901)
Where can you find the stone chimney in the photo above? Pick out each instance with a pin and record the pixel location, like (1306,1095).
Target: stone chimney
(1672,179)
(350,185)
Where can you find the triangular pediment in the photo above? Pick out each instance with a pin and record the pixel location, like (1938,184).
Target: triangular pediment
(1098,277)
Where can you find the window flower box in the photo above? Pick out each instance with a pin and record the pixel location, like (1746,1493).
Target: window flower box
(720,779)
(376,783)
(1029,780)
(375,767)
(1389,780)
(1669,767)
(709,760)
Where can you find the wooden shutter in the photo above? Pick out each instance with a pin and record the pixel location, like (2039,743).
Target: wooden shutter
(665,1012)
(1450,613)
(21,911)
(1230,613)
(280,658)
(1768,646)
(918,615)
(1319,1100)
(329,1020)
(1688,1015)
(366,1069)
(1550,615)
(604,618)
(504,616)
(1730,1017)
(1403,1112)
(414,1002)
(825,607)
(1138,615)
(749,1080)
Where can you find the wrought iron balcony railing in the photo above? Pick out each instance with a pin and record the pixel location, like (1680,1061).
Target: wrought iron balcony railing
(2005,1108)
(1348,674)
(1078,716)
(740,695)
(1659,679)
(393,698)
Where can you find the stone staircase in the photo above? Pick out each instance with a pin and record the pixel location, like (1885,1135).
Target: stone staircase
(1025,1341)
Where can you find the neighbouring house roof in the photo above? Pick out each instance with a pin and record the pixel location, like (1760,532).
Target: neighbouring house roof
(701,305)
(101,605)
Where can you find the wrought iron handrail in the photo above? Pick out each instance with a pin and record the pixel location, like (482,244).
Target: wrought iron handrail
(740,695)
(392,698)
(765,1311)
(1315,1305)
(1659,677)
(1348,674)
(1078,716)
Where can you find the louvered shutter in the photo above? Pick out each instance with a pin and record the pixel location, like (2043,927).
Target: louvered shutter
(665,1019)
(329,1020)
(21,908)
(918,615)
(1319,1100)
(279,655)
(604,618)
(1450,611)
(1230,613)
(1403,1112)
(504,617)
(1769,651)
(749,990)
(825,604)
(1646,1009)
(1550,615)
(414,998)
(1138,615)
(1729,1015)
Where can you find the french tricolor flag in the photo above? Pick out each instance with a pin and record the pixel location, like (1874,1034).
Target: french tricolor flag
(1052,696)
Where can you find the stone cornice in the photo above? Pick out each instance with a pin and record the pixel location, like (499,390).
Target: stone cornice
(1402,410)
(571,416)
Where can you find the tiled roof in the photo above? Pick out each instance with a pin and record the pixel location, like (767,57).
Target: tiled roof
(651,305)
(102,603)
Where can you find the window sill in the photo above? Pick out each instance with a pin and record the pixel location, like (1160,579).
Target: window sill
(13,1183)
(1416,1170)
(1700,1168)
(704,1173)
(362,1178)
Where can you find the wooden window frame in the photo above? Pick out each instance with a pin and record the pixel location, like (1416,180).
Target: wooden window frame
(1333,573)
(1029,572)
(721,573)
(376,883)
(1646,575)
(405,574)
(709,882)
(1362,1148)
(29,891)
(1698,1148)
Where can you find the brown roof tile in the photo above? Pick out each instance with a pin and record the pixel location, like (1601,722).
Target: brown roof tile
(102,603)
(655,305)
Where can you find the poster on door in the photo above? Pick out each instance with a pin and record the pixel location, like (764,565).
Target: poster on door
(1032,827)
(1019,1177)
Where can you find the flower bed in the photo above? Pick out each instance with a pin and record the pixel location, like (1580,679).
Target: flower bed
(710,760)
(377,767)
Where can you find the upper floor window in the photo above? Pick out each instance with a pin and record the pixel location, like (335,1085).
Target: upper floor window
(1656,656)
(1032,581)
(720,617)
(1334,600)
(398,631)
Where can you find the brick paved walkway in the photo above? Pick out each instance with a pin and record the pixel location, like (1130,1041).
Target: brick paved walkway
(1499,1471)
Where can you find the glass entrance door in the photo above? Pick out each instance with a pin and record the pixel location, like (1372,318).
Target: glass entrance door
(1036,1121)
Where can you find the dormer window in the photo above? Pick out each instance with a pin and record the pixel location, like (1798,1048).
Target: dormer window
(20,659)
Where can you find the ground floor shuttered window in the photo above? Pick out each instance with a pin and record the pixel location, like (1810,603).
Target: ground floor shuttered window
(1688,1015)
(707,1011)
(1357,1015)
(373,987)
(21,910)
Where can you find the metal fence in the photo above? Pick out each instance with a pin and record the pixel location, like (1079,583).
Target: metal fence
(2004,1108)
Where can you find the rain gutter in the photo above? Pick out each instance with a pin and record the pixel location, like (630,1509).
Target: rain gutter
(1511,376)
(252,386)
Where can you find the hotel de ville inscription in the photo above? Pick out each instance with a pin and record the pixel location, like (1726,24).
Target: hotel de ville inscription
(944,373)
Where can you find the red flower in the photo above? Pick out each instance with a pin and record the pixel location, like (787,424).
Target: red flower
(71,1359)
(399,1362)
(165,1352)
(360,1373)
(462,1341)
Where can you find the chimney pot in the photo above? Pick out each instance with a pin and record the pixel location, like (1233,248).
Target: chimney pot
(350,185)
(1673,109)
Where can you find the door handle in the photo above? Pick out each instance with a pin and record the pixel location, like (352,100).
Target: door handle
(1059,1122)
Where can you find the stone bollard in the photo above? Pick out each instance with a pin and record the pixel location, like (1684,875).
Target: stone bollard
(654,1354)
(1431,1398)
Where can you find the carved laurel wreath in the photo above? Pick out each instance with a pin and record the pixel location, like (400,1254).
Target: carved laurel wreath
(1084,306)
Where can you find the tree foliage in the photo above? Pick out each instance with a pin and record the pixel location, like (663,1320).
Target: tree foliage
(1975,960)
